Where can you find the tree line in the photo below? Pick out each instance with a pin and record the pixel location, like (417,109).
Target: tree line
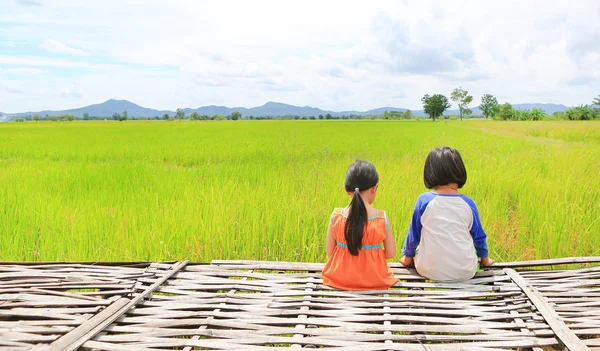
(436,104)
(433,105)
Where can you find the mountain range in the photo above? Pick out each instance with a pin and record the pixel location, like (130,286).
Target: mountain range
(270,109)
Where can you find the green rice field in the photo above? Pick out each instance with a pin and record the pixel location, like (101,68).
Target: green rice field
(159,190)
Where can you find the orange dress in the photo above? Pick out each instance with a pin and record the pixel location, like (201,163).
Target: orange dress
(368,270)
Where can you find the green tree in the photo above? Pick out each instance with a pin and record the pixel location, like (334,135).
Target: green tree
(462,98)
(435,105)
(65,118)
(70,118)
(320,116)
(219,117)
(123,116)
(36,117)
(537,114)
(596,103)
(180,114)
(489,105)
(86,116)
(408,114)
(116,116)
(195,116)
(53,118)
(581,113)
(165,116)
(20,119)
(328,116)
(506,112)
(235,115)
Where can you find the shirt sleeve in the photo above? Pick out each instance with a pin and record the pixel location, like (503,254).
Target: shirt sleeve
(477,232)
(413,237)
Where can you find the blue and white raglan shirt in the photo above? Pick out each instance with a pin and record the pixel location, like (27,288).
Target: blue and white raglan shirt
(447,231)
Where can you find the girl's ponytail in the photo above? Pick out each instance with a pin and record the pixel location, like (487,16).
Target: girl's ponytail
(361,175)
(355,224)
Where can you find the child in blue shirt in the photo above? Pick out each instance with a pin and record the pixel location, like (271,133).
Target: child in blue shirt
(445,236)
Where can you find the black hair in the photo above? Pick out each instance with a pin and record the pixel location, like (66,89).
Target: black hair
(361,175)
(444,166)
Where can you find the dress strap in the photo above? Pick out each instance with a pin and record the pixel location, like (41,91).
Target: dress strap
(337,210)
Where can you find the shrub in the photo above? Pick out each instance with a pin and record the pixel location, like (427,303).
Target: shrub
(581,113)
(506,112)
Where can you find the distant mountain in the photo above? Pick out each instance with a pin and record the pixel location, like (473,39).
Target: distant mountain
(270,109)
(105,109)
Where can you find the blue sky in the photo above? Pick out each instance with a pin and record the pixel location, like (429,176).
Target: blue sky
(338,55)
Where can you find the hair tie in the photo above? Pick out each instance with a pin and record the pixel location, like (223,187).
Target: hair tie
(356,190)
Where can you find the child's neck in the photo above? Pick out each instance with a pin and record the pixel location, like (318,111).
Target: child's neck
(451,188)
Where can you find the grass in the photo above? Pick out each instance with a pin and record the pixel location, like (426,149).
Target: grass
(265,189)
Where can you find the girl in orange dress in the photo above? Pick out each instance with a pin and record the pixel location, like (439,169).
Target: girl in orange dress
(359,237)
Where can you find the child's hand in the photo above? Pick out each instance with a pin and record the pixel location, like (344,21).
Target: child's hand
(486,262)
(406,261)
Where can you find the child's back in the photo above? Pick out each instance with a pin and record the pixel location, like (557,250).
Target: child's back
(366,271)
(445,225)
(449,233)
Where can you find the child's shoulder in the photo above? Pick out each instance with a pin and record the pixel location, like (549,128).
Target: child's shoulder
(468,200)
(424,198)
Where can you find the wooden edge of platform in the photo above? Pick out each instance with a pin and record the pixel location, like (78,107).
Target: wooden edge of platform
(86,331)
(561,330)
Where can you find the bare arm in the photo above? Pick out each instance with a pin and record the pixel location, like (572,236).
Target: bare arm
(330,243)
(389,243)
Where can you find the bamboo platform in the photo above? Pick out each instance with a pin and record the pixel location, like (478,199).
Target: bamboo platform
(259,305)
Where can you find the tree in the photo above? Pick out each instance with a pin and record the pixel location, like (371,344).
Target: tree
(462,98)
(235,115)
(179,114)
(328,116)
(506,112)
(195,116)
(320,116)
(408,114)
(581,113)
(165,116)
(435,105)
(86,116)
(116,116)
(489,105)
(537,114)
(36,118)
(123,116)
(596,103)
(20,119)
(70,118)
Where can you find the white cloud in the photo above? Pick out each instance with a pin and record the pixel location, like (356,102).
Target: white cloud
(343,55)
(23,72)
(71,93)
(31,2)
(14,90)
(57,47)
